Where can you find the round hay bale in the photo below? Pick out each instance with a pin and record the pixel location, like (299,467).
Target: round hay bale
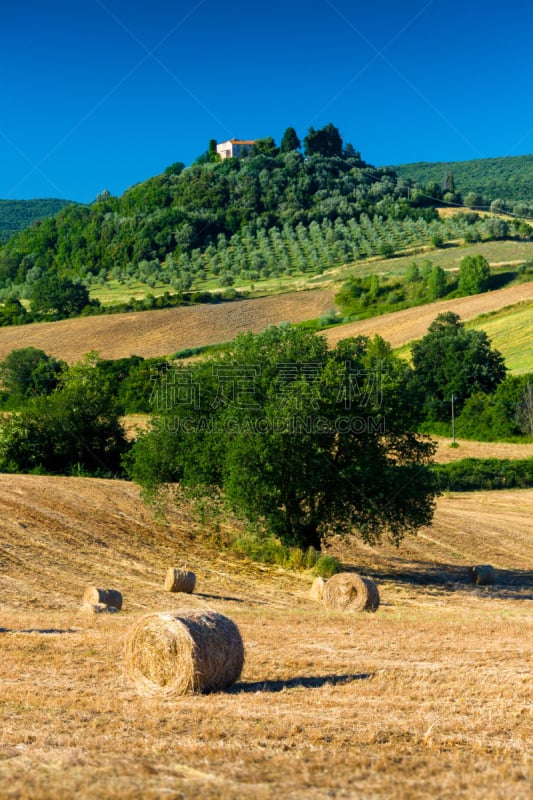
(179,580)
(317,589)
(111,598)
(181,652)
(347,591)
(483,575)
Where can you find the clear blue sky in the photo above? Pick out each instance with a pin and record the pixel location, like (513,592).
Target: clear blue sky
(102,94)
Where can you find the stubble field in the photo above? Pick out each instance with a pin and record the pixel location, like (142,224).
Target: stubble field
(428,698)
(163,333)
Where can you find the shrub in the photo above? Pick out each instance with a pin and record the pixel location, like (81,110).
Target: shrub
(474,474)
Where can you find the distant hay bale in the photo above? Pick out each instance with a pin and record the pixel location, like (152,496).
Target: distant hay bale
(317,589)
(181,652)
(483,575)
(111,598)
(347,591)
(179,580)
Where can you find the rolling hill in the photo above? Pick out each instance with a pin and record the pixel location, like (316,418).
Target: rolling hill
(15,215)
(509,178)
(263,218)
(163,333)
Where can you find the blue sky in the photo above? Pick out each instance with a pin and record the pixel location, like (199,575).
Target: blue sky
(102,94)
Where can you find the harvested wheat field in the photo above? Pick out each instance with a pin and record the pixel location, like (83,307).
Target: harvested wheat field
(428,697)
(162,333)
(410,324)
(471,449)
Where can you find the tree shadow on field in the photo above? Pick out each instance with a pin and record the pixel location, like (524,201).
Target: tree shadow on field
(38,630)
(219,597)
(512,584)
(312,682)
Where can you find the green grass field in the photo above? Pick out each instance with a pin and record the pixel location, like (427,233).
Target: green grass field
(511,332)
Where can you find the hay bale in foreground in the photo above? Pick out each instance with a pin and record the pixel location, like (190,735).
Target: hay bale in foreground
(179,580)
(483,575)
(317,589)
(347,591)
(111,598)
(181,652)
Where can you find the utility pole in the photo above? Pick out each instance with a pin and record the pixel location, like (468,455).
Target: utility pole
(453,421)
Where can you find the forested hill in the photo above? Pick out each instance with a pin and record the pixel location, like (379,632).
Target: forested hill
(170,219)
(15,215)
(509,178)
(273,212)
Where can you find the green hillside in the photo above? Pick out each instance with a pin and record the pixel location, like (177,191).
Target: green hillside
(509,178)
(15,215)
(218,225)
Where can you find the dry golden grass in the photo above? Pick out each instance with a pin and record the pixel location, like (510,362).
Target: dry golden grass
(162,333)
(429,697)
(410,324)
(451,211)
(470,449)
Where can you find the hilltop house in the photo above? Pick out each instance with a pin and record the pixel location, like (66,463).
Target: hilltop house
(234,148)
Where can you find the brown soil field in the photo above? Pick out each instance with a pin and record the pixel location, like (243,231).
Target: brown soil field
(410,324)
(430,697)
(162,333)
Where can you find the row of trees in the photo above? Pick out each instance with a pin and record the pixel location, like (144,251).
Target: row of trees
(311,249)
(326,141)
(242,258)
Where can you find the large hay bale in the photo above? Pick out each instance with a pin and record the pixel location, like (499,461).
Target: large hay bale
(347,591)
(317,589)
(181,652)
(483,575)
(179,580)
(112,598)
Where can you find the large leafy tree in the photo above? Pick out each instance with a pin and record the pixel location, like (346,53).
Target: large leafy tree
(12,312)
(289,141)
(57,297)
(265,147)
(453,361)
(307,441)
